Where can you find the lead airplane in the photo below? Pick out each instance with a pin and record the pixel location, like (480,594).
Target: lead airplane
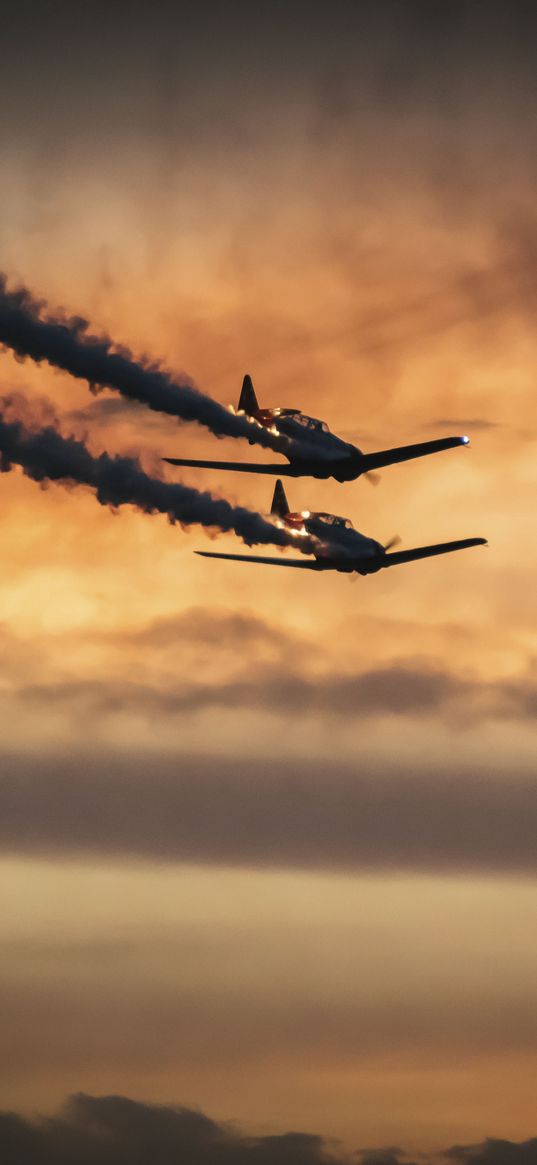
(336,545)
(311,449)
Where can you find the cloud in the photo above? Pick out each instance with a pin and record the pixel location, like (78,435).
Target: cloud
(113,1130)
(275,685)
(215,627)
(495,1152)
(481,424)
(297,814)
(489,1152)
(382,1157)
(393,690)
(196,628)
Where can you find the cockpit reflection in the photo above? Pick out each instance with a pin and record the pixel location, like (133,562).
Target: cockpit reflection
(334,520)
(311,423)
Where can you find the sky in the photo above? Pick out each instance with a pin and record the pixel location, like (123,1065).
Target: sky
(267,843)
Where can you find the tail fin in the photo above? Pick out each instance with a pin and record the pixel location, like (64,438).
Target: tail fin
(280,505)
(248,400)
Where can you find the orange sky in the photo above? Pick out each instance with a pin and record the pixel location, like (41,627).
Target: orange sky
(371,259)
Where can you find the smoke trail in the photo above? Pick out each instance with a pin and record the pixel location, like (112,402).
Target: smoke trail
(66,343)
(45,455)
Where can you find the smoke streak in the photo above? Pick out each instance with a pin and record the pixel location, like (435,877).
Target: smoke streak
(45,455)
(66,343)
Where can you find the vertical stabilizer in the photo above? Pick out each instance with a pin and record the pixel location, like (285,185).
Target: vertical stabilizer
(280,505)
(248,400)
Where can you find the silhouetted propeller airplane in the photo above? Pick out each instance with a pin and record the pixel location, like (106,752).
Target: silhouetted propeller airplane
(336,545)
(311,449)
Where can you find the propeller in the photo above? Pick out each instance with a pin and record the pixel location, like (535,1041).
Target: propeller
(392,542)
(372,478)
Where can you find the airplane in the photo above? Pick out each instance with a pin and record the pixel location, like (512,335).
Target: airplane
(336,545)
(311,449)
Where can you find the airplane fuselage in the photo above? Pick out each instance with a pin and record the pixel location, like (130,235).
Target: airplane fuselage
(313,451)
(335,542)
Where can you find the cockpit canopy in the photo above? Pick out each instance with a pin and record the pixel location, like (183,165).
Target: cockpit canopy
(311,423)
(334,520)
(294,415)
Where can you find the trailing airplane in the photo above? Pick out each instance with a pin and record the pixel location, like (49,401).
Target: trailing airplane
(336,545)
(311,449)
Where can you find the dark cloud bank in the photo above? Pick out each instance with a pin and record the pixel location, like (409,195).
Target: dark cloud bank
(113,1130)
(264,814)
(402,689)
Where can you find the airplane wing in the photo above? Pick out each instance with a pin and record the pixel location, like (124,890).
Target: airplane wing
(236,466)
(409,452)
(400,556)
(300,563)
(394,559)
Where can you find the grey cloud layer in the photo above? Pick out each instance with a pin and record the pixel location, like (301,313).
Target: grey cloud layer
(113,1130)
(428,51)
(318,816)
(406,688)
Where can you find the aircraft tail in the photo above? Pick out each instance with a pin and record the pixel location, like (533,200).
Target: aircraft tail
(280,505)
(248,401)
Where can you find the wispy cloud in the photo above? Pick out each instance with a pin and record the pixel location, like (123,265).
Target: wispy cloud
(278,687)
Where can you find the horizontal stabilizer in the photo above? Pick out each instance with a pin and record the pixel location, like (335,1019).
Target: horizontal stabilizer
(234,466)
(409,452)
(299,563)
(400,556)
